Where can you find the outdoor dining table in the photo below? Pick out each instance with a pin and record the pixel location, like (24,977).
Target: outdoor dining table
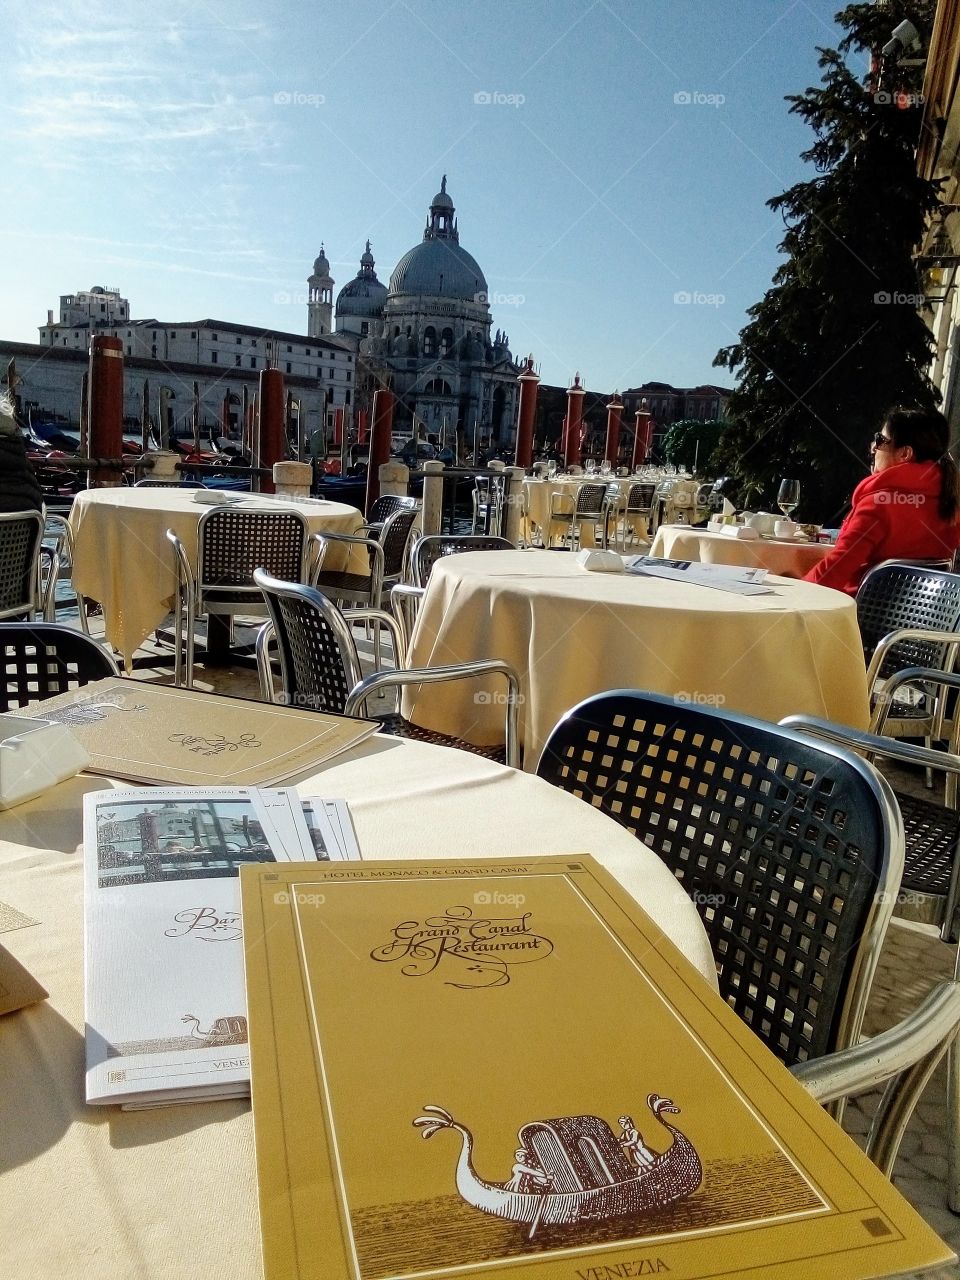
(171,1192)
(123,560)
(570,633)
(791,557)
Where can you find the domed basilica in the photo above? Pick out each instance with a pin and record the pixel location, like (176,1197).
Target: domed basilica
(427,336)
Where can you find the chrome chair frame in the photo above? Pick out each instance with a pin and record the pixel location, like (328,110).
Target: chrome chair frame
(355,689)
(195,594)
(572,511)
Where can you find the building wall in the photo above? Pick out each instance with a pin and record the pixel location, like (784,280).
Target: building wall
(49,383)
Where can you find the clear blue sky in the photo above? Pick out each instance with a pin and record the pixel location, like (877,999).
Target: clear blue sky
(196,153)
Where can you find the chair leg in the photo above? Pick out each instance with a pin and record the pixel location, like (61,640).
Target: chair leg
(953,1127)
(190,639)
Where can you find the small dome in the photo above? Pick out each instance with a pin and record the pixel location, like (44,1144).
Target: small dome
(364,295)
(321,267)
(441,200)
(361,297)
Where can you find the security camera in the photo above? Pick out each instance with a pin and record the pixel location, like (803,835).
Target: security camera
(905,36)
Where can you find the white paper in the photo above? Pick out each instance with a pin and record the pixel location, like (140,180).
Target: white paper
(165,995)
(722,577)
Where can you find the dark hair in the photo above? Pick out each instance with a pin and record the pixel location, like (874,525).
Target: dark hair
(927,433)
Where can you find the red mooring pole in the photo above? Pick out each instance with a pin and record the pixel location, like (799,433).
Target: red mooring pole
(384,403)
(571,450)
(612,450)
(271,444)
(105,409)
(526,414)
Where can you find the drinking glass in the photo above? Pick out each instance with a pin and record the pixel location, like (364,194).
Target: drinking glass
(789,496)
(589,466)
(605,468)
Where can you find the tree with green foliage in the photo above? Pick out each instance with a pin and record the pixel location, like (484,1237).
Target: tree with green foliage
(839,337)
(691,442)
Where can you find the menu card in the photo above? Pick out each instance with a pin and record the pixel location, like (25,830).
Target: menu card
(503,1069)
(159,733)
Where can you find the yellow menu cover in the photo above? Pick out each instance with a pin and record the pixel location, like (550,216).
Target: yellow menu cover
(159,733)
(482,1069)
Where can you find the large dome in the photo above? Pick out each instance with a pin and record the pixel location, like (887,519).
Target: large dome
(440,268)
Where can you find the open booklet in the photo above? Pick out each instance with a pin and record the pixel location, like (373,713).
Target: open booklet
(722,577)
(592,1108)
(165,999)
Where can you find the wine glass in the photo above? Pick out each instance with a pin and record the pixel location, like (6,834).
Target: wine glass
(788,496)
(589,465)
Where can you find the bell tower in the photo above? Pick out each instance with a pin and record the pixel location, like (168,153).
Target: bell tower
(320,298)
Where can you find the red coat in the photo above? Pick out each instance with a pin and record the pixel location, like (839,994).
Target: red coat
(894,517)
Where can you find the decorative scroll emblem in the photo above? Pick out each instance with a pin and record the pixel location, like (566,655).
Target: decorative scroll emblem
(215,744)
(482,948)
(205,924)
(90,710)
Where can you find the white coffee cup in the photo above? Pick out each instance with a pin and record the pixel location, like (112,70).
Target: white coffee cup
(785,529)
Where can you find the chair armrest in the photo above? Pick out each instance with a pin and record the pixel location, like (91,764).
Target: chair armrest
(380,617)
(876,743)
(185,576)
(951,639)
(313,557)
(402,598)
(264,636)
(374,548)
(356,699)
(562,500)
(905,1056)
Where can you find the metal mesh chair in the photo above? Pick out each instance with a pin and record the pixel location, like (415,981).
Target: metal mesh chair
(386,548)
(782,845)
(792,851)
(387,506)
(21,533)
(570,514)
(232,544)
(42,660)
(929,889)
(637,507)
(906,613)
(488,498)
(320,668)
(405,597)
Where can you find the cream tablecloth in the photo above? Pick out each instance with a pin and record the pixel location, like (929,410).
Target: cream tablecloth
(792,558)
(570,634)
(122,557)
(170,1194)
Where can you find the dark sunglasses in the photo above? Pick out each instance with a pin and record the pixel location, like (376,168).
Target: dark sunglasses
(880,441)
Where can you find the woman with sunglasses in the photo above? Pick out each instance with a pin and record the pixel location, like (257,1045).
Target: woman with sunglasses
(907,509)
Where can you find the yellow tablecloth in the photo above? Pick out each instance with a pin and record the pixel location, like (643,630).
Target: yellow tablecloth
(170,1194)
(680,542)
(122,557)
(570,634)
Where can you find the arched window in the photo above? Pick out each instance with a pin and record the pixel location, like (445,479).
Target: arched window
(430,341)
(446,342)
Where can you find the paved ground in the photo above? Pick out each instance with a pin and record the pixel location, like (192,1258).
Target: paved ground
(911,962)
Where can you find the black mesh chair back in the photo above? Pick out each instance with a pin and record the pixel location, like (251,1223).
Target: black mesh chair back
(21,533)
(427,551)
(387,505)
(394,539)
(640,497)
(319,665)
(43,659)
(590,499)
(899,595)
(233,543)
(786,847)
(169,484)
